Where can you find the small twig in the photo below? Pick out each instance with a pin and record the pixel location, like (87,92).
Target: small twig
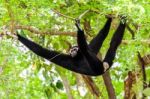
(63,15)
(137,26)
(69,45)
(132,41)
(80,16)
(85,12)
(11,15)
(95,11)
(131,31)
(87,27)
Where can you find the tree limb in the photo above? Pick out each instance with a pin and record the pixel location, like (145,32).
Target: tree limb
(73,34)
(36,31)
(109,85)
(11,15)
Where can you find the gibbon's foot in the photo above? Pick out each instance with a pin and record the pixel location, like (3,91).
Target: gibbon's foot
(13,35)
(106,66)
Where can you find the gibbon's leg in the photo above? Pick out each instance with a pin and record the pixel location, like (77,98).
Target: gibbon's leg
(97,42)
(115,42)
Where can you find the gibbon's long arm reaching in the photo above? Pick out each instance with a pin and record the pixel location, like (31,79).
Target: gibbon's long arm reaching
(83,60)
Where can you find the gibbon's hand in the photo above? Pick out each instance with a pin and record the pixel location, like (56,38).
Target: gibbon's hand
(77,23)
(13,35)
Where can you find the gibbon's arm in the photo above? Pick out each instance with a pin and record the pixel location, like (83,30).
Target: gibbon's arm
(97,42)
(81,40)
(54,56)
(115,42)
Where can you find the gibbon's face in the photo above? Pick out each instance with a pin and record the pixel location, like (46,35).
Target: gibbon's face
(73,51)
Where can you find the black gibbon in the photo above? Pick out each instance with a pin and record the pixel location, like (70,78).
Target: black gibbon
(83,58)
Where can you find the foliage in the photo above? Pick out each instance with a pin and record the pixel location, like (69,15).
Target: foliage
(25,75)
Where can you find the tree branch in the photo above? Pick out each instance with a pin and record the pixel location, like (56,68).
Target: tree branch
(36,31)
(108,82)
(73,34)
(91,85)
(109,85)
(11,15)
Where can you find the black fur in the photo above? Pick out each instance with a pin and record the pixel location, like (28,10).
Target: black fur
(85,62)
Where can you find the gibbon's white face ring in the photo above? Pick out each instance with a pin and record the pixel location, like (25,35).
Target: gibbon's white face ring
(73,51)
(105,65)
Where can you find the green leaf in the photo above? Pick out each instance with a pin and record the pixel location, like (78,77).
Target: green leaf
(59,85)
